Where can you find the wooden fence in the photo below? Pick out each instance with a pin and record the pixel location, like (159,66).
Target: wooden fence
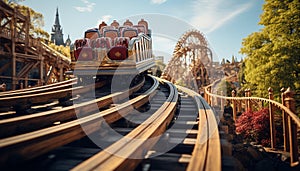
(286,108)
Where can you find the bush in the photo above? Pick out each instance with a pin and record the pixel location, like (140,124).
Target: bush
(255,126)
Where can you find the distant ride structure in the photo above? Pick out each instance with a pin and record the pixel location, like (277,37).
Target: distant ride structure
(191,62)
(113,50)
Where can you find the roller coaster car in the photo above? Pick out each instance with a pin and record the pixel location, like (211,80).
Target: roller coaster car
(114,49)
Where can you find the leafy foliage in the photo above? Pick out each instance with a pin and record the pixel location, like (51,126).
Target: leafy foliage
(273,52)
(254,126)
(36,24)
(12,1)
(36,21)
(61,49)
(225,87)
(159,67)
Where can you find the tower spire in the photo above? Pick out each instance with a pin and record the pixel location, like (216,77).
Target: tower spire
(57,35)
(57,18)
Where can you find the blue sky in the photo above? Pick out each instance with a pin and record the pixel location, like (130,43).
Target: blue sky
(223,22)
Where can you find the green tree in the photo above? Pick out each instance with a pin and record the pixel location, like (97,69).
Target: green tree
(36,25)
(272,54)
(12,1)
(225,86)
(36,21)
(241,73)
(159,67)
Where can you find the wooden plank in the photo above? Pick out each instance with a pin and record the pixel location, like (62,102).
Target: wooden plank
(44,97)
(30,145)
(128,151)
(35,88)
(28,123)
(207,151)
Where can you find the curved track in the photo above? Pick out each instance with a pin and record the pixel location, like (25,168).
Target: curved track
(152,126)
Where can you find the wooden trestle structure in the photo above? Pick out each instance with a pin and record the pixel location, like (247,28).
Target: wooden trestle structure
(24,60)
(191,62)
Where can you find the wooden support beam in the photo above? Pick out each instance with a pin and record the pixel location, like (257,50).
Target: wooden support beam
(234,113)
(21,47)
(61,73)
(13,46)
(4,67)
(25,69)
(42,74)
(286,144)
(49,74)
(290,103)
(272,122)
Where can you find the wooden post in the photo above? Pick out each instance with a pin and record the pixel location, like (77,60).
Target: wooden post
(205,95)
(246,101)
(209,97)
(249,101)
(61,72)
(41,58)
(233,94)
(222,102)
(38,83)
(286,144)
(290,103)
(13,50)
(21,85)
(272,125)
(26,80)
(239,106)
(27,25)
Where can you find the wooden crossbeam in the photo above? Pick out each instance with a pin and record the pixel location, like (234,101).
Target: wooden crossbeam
(24,71)
(3,68)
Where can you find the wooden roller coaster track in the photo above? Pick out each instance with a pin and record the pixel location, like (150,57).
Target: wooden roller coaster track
(21,54)
(177,118)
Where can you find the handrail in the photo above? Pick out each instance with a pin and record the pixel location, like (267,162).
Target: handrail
(290,120)
(279,105)
(141,54)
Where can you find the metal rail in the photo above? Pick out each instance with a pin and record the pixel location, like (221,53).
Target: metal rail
(207,152)
(42,96)
(29,145)
(37,121)
(128,152)
(64,85)
(124,154)
(17,92)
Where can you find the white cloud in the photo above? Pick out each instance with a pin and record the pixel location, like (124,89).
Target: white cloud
(89,6)
(210,15)
(163,46)
(104,18)
(158,1)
